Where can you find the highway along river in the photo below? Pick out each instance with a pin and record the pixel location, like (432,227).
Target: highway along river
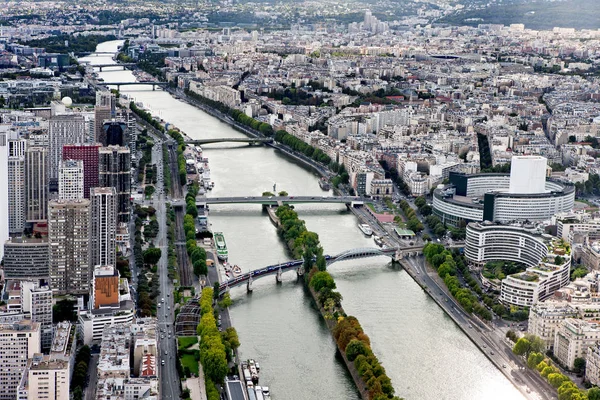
(425,354)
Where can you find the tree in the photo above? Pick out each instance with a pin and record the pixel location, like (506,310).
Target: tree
(322,280)
(355,348)
(152,255)
(522,347)
(536,343)
(226,302)
(579,365)
(64,310)
(534,359)
(556,379)
(594,393)
(216,291)
(283,193)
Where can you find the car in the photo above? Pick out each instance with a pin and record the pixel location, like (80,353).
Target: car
(491,352)
(484,346)
(503,365)
(166,353)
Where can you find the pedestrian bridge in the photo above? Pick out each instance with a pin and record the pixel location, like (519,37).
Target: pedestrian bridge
(279,200)
(252,141)
(297,265)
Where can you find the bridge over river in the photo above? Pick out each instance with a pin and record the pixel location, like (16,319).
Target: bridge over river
(297,265)
(278,200)
(251,141)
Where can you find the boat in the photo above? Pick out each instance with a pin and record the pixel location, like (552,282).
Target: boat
(237,271)
(366,229)
(221,246)
(266,393)
(324,184)
(259,393)
(378,241)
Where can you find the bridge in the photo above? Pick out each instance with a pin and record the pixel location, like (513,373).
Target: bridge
(119,84)
(252,141)
(124,65)
(279,200)
(298,265)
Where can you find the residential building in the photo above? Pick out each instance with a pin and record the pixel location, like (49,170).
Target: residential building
(103,226)
(26,258)
(115,171)
(69,240)
(36,184)
(573,338)
(545,318)
(592,364)
(70,180)
(381,188)
(88,153)
(36,301)
(46,378)
(16,185)
(19,341)
(4,207)
(63,129)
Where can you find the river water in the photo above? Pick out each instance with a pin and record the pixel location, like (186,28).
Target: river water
(425,354)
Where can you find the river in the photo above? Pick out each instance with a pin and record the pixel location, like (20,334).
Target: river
(425,354)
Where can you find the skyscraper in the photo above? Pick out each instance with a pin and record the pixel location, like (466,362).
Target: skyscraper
(88,153)
(63,129)
(70,180)
(68,237)
(103,226)
(115,171)
(114,133)
(18,342)
(16,185)
(101,114)
(3,190)
(36,184)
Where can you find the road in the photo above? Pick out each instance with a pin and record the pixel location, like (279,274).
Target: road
(169,379)
(90,389)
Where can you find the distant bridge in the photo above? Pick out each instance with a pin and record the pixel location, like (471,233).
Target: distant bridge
(279,200)
(232,140)
(119,84)
(124,65)
(297,265)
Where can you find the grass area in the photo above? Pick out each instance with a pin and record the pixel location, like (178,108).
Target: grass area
(187,341)
(371,206)
(189,361)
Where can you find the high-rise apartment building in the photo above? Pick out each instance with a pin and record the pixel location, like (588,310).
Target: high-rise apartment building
(103,226)
(63,129)
(68,238)
(70,180)
(3,190)
(36,184)
(16,185)
(18,342)
(115,171)
(36,301)
(26,258)
(88,153)
(114,133)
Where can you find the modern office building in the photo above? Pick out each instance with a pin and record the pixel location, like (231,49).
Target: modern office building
(63,129)
(26,258)
(45,378)
(19,342)
(16,185)
(115,171)
(69,242)
(102,113)
(114,132)
(36,184)
(502,197)
(70,180)
(103,226)
(88,153)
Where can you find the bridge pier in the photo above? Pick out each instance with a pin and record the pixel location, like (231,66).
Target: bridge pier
(300,271)
(249,285)
(278,276)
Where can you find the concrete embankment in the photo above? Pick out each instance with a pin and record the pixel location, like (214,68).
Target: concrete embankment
(273,217)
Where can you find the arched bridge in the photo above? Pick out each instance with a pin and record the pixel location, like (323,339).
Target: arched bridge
(231,140)
(297,265)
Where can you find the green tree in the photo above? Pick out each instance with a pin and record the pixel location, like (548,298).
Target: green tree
(283,193)
(594,393)
(152,255)
(579,365)
(534,359)
(355,348)
(556,379)
(226,302)
(64,310)
(522,347)
(322,280)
